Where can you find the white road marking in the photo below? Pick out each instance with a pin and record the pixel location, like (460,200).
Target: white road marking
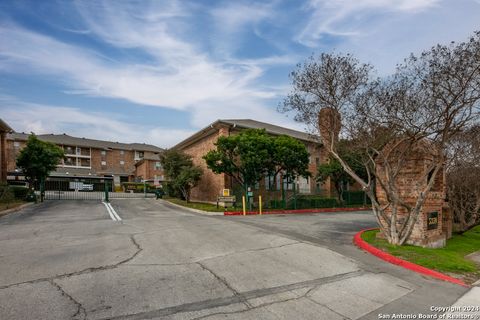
(114,212)
(109,211)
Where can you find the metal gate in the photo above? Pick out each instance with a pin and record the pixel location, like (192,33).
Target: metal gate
(82,189)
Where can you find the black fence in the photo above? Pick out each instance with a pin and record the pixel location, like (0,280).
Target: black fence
(82,189)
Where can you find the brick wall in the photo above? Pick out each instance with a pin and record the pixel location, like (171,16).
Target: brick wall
(211,184)
(12,153)
(412,171)
(146,169)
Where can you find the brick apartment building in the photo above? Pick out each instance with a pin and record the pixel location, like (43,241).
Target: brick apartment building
(211,184)
(89,158)
(4,130)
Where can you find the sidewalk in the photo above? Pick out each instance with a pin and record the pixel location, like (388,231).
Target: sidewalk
(467,306)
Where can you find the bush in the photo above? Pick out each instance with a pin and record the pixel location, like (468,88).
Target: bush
(355,198)
(6,194)
(315,202)
(137,187)
(19,192)
(305,202)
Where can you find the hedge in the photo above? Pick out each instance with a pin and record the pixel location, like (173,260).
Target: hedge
(137,187)
(19,192)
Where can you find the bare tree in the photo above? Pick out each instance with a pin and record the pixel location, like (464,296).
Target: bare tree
(423,106)
(463,177)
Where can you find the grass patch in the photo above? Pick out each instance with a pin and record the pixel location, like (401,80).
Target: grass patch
(10,205)
(199,205)
(450,259)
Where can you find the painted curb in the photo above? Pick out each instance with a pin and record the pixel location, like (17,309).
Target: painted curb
(362,244)
(298,211)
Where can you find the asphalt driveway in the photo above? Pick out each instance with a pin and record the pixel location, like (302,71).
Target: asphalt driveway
(70,260)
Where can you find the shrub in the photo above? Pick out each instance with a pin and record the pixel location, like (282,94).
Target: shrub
(19,192)
(6,194)
(355,198)
(137,187)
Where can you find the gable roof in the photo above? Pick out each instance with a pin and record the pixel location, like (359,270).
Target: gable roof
(4,127)
(247,124)
(65,139)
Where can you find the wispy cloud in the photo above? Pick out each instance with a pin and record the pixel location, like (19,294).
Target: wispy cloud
(178,74)
(41,119)
(349,18)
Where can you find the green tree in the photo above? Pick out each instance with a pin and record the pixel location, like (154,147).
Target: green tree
(290,156)
(182,174)
(250,155)
(38,159)
(338,176)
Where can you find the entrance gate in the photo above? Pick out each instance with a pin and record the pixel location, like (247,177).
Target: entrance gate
(83,189)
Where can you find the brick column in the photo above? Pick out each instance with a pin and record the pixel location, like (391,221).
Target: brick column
(3,157)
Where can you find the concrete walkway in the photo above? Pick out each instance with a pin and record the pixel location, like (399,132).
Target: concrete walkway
(466,307)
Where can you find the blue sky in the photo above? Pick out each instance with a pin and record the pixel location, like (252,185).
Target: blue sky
(157,71)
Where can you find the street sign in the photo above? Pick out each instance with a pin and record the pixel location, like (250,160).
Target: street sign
(250,194)
(226,192)
(226,199)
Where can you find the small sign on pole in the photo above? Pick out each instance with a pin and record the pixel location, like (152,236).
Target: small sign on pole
(226,192)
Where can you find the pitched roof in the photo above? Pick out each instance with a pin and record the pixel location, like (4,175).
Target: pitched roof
(248,124)
(4,127)
(271,128)
(84,142)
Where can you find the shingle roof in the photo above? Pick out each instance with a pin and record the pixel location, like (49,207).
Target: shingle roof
(249,124)
(271,128)
(84,142)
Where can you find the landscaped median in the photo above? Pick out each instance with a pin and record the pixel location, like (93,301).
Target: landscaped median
(297,211)
(233,211)
(449,263)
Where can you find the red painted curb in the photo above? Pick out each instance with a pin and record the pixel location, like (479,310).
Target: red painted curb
(362,244)
(298,211)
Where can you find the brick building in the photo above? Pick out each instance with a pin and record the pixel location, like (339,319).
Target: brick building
(211,184)
(4,130)
(92,158)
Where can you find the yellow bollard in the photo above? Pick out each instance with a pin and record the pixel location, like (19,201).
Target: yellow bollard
(260,204)
(244,207)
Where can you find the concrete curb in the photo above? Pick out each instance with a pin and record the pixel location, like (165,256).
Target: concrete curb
(362,244)
(298,211)
(20,207)
(208,213)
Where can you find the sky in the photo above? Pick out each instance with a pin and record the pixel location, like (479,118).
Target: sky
(158,71)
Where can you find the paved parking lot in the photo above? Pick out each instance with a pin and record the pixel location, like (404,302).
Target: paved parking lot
(70,260)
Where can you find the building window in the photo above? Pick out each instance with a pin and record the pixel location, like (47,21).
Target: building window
(138,155)
(84,162)
(317,161)
(104,163)
(122,152)
(69,161)
(69,149)
(122,162)
(16,144)
(158,165)
(270,182)
(103,152)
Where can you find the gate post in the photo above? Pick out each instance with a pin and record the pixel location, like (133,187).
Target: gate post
(106,190)
(42,189)
(145,188)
